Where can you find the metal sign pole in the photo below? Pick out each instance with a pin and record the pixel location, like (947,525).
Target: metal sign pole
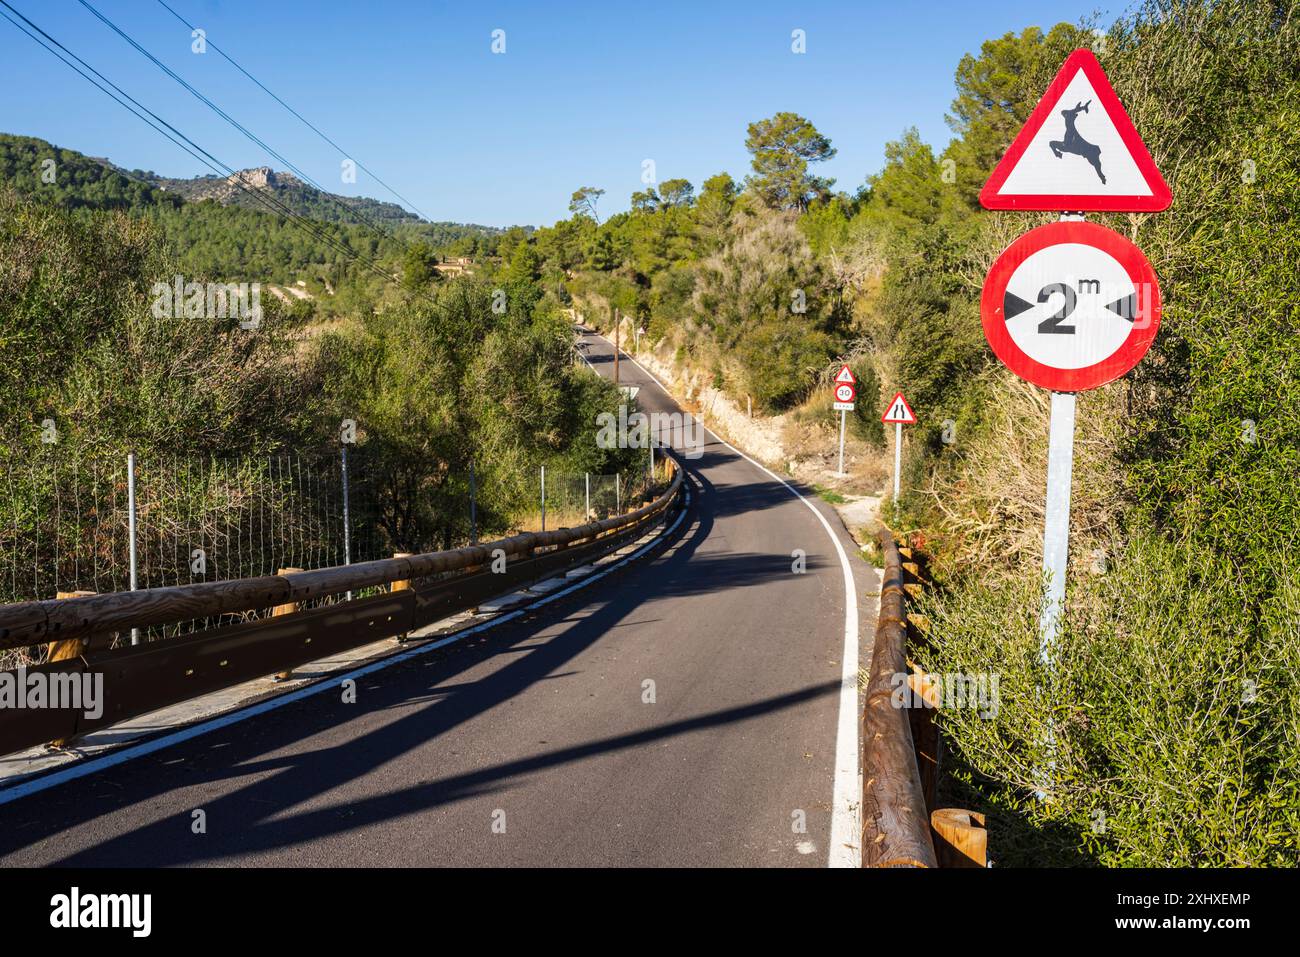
(1056,525)
(1056,531)
(898,457)
(543,498)
(843,414)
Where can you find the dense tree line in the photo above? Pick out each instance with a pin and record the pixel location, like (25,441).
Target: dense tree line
(435,384)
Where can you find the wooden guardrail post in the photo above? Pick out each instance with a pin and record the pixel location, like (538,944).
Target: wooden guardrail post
(288,608)
(401,584)
(67,650)
(73,648)
(926,740)
(960,839)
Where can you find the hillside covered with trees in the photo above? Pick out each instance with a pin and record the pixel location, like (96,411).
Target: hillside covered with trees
(93,370)
(214,228)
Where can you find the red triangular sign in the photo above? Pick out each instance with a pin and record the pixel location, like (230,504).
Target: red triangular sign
(845,375)
(899,411)
(1078,151)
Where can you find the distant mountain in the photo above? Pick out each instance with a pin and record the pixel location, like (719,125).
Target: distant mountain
(214,228)
(303,199)
(82,180)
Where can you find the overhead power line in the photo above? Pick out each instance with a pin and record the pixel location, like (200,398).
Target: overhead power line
(160,125)
(253,137)
(311,126)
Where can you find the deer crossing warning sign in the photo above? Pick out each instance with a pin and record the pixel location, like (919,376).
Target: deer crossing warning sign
(1078,152)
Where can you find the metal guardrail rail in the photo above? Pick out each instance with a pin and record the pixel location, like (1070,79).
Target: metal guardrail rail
(143,678)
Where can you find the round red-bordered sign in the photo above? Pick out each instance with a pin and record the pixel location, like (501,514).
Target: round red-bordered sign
(844,392)
(1071,306)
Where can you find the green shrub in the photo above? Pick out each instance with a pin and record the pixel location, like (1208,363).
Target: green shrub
(1164,733)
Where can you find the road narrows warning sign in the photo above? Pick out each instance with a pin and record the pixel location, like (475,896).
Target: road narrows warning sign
(900,414)
(899,411)
(1078,152)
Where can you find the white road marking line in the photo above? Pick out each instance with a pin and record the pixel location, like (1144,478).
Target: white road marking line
(92,765)
(846,830)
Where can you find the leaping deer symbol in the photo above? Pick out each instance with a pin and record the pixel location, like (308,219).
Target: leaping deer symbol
(1074,143)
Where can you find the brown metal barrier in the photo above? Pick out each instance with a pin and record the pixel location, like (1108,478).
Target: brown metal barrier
(143,678)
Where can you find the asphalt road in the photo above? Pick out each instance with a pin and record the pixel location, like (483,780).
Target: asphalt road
(533,743)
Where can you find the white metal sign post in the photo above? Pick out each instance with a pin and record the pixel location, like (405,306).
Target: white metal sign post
(899,413)
(845,392)
(1056,528)
(898,457)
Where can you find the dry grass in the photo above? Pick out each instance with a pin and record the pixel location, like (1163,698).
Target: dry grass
(992,503)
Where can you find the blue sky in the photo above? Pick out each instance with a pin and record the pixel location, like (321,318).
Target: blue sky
(584,93)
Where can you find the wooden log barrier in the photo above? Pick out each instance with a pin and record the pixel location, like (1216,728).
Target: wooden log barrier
(960,839)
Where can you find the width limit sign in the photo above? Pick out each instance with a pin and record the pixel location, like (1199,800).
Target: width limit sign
(1071,306)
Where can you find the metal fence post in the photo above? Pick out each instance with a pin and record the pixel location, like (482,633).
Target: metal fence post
(347,520)
(473,505)
(130,525)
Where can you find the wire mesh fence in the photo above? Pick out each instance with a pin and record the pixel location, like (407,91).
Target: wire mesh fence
(65,520)
(67,524)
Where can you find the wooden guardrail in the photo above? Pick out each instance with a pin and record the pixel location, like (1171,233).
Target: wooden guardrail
(143,678)
(901,748)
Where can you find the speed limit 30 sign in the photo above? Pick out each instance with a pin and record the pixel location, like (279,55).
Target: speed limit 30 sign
(1071,306)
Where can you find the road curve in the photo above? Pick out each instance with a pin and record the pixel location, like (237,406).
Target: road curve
(534,744)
